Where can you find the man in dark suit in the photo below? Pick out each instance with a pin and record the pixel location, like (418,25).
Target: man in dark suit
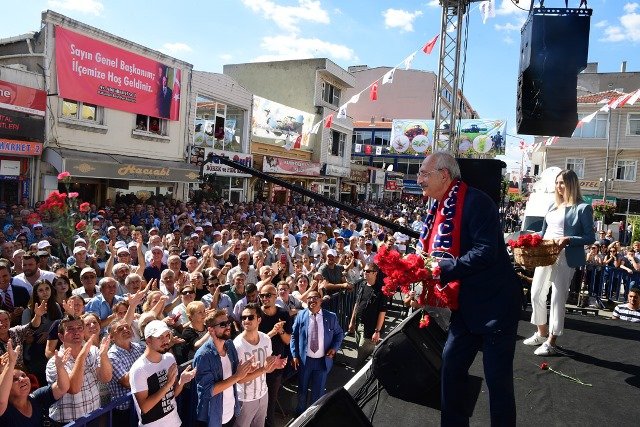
(13,299)
(489,295)
(315,339)
(164,99)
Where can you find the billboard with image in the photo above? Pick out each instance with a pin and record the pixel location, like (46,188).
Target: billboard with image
(279,124)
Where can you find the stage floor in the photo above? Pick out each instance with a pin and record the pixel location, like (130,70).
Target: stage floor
(602,352)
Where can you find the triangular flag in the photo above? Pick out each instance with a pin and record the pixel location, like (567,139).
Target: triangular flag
(551,140)
(625,100)
(378,151)
(314,129)
(328,121)
(388,77)
(298,142)
(427,48)
(488,10)
(358,148)
(373,94)
(355,98)
(634,97)
(616,102)
(342,112)
(408,60)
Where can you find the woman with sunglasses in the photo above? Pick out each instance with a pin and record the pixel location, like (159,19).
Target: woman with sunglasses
(179,313)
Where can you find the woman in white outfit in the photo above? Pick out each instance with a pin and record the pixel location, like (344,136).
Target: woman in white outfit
(569,223)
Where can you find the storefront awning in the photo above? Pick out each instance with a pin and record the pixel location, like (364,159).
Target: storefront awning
(111,166)
(411,187)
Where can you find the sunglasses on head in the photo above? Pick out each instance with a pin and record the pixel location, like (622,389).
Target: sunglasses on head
(188,292)
(249,317)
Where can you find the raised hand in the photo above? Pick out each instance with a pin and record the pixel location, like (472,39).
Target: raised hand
(187,375)
(12,354)
(172,374)
(62,356)
(104,345)
(244,369)
(40,309)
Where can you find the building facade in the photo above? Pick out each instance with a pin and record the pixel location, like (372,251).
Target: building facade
(115,115)
(319,162)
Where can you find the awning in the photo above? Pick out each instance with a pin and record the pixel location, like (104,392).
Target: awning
(112,166)
(411,187)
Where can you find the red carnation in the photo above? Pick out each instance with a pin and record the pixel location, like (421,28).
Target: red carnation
(81,225)
(424,322)
(63,175)
(84,207)
(544,366)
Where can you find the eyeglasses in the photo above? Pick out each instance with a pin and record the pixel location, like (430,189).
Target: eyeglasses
(426,174)
(266,295)
(213,285)
(188,292)
(369,271)
(249,317)
(312,298)
(225,324)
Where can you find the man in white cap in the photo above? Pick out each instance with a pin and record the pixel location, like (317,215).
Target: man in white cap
(44,245)
(82,261)
(88,279)
(153,379)
(335,280)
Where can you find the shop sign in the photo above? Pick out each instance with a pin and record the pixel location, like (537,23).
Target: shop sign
(15,125)
(377,176)
(391,185)
(25,188)
(10,167)
(128,171)
(20,148)
(92,71)
(359,175)
(271,164)
(214,166)
(589,185)
(333,170)
(21,98)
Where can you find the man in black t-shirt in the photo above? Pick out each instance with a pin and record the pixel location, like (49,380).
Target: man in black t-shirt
(368,313)
(278,325)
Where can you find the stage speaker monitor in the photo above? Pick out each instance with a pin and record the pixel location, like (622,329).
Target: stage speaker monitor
(336,408)
(553,50)
(407,362)
(485,175)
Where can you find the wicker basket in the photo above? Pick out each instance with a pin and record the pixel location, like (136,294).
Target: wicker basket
(544,254)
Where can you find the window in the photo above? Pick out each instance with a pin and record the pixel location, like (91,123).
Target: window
(362,137)
(634,124)
(382,137)
(151,124)
(576,165)
(330,94)
(337,143)
(626,170)
(596,128)
(80,111)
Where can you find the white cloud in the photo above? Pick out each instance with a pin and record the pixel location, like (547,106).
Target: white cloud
(433,3)
(402,19)
(507,7)
(175,48)
(602,24)
(508,27)
(293,47)
(629,28)
(225,56)
(288,17)
(94,7)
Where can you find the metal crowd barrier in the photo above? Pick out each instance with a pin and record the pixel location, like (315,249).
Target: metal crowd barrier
(609,283)
(341,303)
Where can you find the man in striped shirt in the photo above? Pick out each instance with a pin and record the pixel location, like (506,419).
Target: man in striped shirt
(631,310)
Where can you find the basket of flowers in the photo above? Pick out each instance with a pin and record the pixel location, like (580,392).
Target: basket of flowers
(531,251)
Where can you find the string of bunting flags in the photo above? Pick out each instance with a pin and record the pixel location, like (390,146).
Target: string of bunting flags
(372,88)
(609,104)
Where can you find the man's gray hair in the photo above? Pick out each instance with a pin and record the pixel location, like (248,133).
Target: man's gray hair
(444,160)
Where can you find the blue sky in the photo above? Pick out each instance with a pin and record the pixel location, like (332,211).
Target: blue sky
(211,33)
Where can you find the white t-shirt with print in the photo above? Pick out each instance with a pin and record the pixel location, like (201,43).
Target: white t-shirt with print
(149,376)
(256,388)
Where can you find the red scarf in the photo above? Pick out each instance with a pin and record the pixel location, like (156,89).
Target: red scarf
(440,238)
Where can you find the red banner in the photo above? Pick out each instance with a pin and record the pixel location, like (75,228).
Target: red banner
(98,73)
(21,98)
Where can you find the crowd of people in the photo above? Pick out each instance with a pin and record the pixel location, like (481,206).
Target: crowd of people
(238,290)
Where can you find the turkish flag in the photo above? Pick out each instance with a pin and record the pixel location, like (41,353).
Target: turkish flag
(298,142)
(373,95)
(328,121)
(367,149)
(427,48)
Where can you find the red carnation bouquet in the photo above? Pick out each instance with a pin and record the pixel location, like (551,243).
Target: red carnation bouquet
(64,214)
(401,272)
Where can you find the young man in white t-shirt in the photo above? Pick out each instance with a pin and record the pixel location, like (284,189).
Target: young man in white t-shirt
(153,376)
(255,346)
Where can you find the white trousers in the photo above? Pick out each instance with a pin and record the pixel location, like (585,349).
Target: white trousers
(558,277)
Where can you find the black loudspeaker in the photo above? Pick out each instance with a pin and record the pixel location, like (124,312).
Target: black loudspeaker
(553,50)
(485,175)
(407,362)
(336,408)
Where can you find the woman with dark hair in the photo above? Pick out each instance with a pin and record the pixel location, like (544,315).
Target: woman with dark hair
(569,223)
(43,292)
(61,289)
